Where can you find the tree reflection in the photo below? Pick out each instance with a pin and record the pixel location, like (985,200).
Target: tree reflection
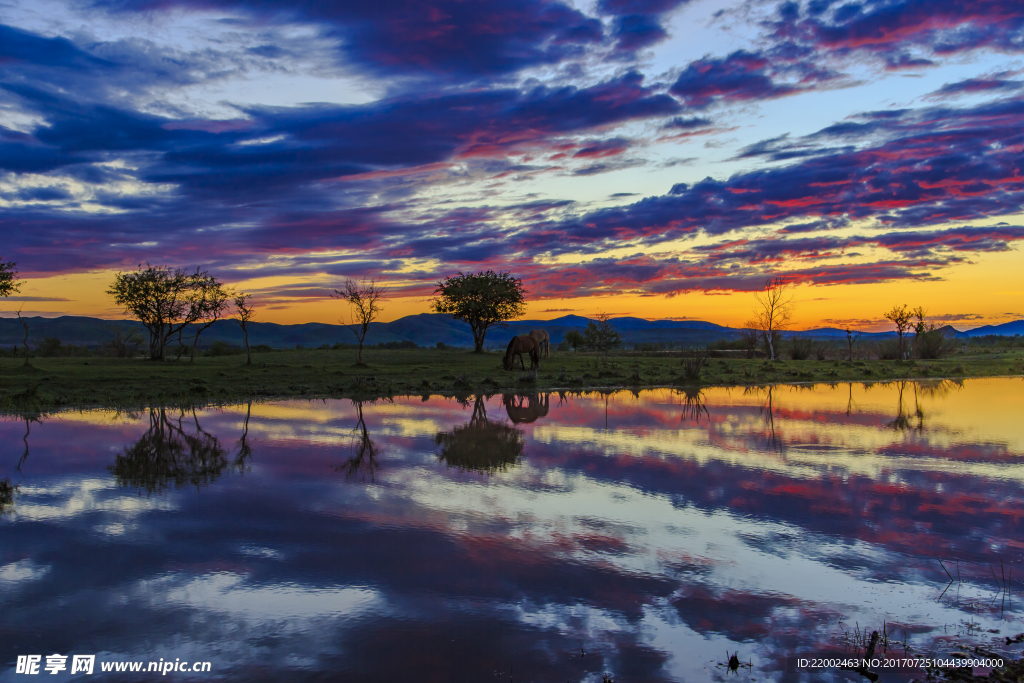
(363,462)
(904,417)
(694,405)
(481,445)
(169,454)
(29,419)
(767,410)
(7,491)
(523,409)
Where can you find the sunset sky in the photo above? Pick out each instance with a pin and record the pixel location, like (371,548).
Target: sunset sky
(657,158)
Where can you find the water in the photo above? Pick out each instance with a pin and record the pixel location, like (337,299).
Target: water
(557,538)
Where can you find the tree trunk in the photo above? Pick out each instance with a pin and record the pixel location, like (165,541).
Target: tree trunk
(479,334)
(248,354)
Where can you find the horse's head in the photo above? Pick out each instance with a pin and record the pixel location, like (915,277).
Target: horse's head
(506,362)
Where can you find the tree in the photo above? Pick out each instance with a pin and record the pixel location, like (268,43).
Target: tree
(364,298)
(24,340)
(574,339)
(482,299)
(750,334)
(245,311)
(774,310)
(599,335)
(902,317)
(9,283)
(211,301)
(929,341)
(851,339)
(166,300)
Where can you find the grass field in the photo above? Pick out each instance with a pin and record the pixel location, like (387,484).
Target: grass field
(53,383)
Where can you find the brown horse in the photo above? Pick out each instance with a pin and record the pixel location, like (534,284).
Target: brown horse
(543,341)
(524,343)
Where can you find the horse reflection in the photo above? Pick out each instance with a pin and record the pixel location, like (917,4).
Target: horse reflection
(481,445)
(363,462)
(169,454)
(523,409)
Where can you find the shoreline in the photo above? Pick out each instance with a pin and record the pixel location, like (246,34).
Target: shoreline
(56,384)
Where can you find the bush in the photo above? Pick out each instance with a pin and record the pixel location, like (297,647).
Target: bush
(801,348)
(261,348)
(888,350)
(124,344)
(51,347)
(932,343)
(221,348)
(404,344)
(693,361)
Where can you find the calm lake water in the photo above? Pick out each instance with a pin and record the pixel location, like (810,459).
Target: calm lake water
(544,538)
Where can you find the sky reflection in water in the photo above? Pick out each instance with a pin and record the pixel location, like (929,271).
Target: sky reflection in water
(553,537)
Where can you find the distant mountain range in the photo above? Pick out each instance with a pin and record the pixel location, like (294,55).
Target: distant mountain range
(427,329)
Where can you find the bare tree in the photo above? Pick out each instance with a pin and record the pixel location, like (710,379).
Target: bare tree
(24,341)
(245,311)
(851,339)
(774,310)
(364,298)
(902,317)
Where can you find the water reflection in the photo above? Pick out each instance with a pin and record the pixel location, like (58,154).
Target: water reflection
(363,463)
(609,536)
(168,454)
(7,491)
(29,419)
(524,409)
(483,445)
(693,405)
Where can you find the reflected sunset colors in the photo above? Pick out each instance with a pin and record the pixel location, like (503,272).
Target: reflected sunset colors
(550,537)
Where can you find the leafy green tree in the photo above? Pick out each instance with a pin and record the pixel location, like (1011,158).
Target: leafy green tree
(481,299)
(574,339)
(166,300)
(9,283)
(600,335)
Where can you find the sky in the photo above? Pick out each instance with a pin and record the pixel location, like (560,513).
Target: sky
(656,158)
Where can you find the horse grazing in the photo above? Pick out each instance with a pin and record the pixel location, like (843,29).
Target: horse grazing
(543,341)
(517,347)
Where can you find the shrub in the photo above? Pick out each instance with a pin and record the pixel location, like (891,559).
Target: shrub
(800,348)
(262,348)
(693,361)
(888,350)
(932,343)
(221,348)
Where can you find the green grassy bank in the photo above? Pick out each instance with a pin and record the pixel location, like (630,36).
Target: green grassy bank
(54,383)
